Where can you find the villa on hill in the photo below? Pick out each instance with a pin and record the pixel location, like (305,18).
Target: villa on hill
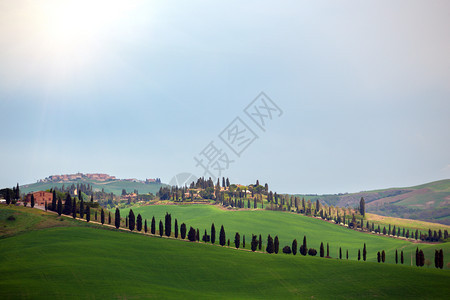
(40,198)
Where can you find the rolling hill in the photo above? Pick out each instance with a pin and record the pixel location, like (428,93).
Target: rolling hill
(427,202)
(74,261)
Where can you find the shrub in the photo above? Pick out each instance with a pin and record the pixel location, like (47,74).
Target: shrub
(312,252)
(287,250)
(11,218)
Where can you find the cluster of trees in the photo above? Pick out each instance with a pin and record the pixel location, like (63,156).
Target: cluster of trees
(11,195)
(439,259)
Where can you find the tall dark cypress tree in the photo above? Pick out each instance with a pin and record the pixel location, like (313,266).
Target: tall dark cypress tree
(161,228)
(276,245)
(131,220)
(328,250)
(126,221)
(191,234)
(109,218)
(88,214)
(176,229)
(197,235)
(32,201)
(102,216)
(270,247)
(383,256)
(303,247)
(254,243)
(237,240)
(417,257)
(364,252)
(362,207)
(153,226)
(340,253)
(222,237)
(213,233)
(243,241)
(347,253)
(441,259)
(396,256)
(68,205)
(183,231)
(74,208)
(401,257)
(436,258)
(168,224)
(359,254)
(117,218)
(259,243)
(294,247)
(59,206)
(139,222)
(378,256)
(321,250)
(145,226)
(81,209)
(54,207)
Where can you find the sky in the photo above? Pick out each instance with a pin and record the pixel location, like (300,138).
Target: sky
(357,93)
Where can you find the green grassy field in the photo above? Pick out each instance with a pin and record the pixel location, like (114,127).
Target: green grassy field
(83,262)
(288,226)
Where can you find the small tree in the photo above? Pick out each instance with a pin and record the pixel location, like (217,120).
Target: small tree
(364,252)
(378,256)
(243,241)
(109,218)
(328,250)
(259,243)
(401,257)
(131,220)
(340,253)
(287,250)
(168,224)
(59,208)
(145,226)
(321,250)
(237,240)
(359,254)
(102,216)
(192,235)
(161,228)
(396,256)
(32,201)
(312,252)
(383,256)
(81,209)
(276,245)
(222,237)
(303,247)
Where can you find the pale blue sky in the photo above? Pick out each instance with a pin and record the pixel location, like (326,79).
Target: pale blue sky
(138,88)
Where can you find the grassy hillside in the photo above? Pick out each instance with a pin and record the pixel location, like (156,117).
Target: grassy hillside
(114,186)
(287,226)
(81,262)
(427,202)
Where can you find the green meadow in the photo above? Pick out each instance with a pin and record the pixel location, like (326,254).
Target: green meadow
(84,262)
(288,226)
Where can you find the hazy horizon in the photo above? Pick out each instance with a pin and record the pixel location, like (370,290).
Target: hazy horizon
(137,89)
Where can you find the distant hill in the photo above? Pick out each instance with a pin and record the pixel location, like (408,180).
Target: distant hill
(114,186)
(427,202)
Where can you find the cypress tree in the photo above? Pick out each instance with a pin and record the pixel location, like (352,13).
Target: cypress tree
(254,243)
(294,247)
(53,207)
(213,234)
(68,205)
(88,214)
(383,256)
(197,235)
(441,259)
(378,256)
(259,243)
(161,228)
(340,253)
(32,201)
(183,231)
(126,221)
(117,218)
(139,223)
(401,257)
(436,258)
(322,250)
(243,241)
(145,226)
(222,237)
(168,224)
(364,252)
(347,253)
(109,218)
(102,216)
(176,228)
(396,256)
(237,240)
(81,209)
(362,207)
(270,247)
(59,208)
(359,254)
(131,220)
(417,257)
(74,208)
(228,242)
(303,247)
(95,215)
(276,245)
(153,226)
(328,250)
